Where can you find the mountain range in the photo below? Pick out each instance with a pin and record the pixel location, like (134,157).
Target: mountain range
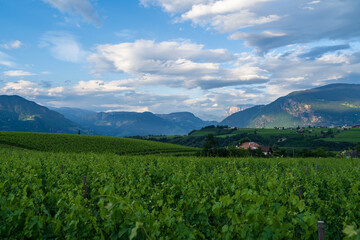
(336,104)
(132,123)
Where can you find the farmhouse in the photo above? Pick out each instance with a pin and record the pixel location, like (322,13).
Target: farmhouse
(282,139)
(249,145)
(266,150)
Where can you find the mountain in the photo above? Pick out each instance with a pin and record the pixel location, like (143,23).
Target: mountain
(19,114)
(130,124)
(237,108)
(142,124)
(74,114)
(334,104)
(186,120)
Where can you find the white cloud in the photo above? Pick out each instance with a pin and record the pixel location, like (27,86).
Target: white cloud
(63,46)
(6,60)
(12,45)
(83,89)
(77,7)
(335,59)
(17,73)
(99,86)
(124,108)
(24,88)
(173,6)
(222,15)
(291,71)
(228,15)
(173,63)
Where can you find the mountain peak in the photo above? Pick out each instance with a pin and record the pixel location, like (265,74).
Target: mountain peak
(19,114)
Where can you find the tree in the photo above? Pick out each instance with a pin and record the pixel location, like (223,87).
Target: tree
(357,148)
(244,140)
(210,145)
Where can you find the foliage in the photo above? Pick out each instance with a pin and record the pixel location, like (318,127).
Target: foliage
(244,140)
(331,140)
(317,152)
(84,143)
(210,146)
(154,197)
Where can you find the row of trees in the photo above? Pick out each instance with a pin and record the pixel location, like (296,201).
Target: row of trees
(211,149)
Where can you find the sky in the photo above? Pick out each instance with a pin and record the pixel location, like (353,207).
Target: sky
(163,56)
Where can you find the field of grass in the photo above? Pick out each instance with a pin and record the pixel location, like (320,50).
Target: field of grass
(266,132)
(44,195)
(85,143)
(352,136)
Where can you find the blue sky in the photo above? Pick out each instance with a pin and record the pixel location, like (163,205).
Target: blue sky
(203,56)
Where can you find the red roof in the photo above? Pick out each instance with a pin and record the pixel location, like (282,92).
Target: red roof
(251,145)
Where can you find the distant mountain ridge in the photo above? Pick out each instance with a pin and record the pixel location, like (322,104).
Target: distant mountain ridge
(133,123)
(335,104)
(19,114)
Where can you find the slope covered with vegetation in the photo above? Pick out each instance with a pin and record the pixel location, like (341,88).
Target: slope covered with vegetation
(85,143)
(106,196)
(19,114)
(292,140)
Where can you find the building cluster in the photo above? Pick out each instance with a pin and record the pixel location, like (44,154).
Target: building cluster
(266,150)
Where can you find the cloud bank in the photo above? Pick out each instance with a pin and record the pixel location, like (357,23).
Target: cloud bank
(11,45)
(17,73)
(269,24)
(174,63)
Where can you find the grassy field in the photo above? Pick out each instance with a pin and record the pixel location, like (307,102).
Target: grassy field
(84,143)
(267,133)
(352,136)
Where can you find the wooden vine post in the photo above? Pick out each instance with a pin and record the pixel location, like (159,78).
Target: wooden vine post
(300,192)
(84,187)
(62,169)
(321,230)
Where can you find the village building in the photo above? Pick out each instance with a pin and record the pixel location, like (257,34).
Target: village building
(266,150)
(301,130)
(249,145)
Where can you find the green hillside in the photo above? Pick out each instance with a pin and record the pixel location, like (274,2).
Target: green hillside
(84,143)
(332,139)
(351,136)
(19,114)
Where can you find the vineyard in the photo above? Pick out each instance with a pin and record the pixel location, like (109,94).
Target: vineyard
(95,144)
(107,196)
